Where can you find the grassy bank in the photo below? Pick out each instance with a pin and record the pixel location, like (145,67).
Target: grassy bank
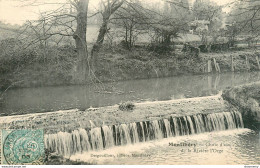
(57,65)
(247,99)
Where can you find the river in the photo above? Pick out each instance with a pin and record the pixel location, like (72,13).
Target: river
(230,147)
(233,146)
(45,99)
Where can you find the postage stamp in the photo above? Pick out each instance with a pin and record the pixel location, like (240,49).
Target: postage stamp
(22,147)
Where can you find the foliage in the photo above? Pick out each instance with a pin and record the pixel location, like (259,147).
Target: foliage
(231,32)
(244,19)
(210,11)
(160,48)
(32,65)
(45,47)
(211,14)
(132,20)
(246,99)
(170,21)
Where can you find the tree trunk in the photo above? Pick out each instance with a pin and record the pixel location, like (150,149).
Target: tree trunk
(126,35)
(101,36)
(130,38)
(96,47)
(109,10)
(80,40)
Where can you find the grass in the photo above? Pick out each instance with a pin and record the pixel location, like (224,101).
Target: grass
(33,68)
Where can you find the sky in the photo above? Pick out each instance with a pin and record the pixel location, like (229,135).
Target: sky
(18,11)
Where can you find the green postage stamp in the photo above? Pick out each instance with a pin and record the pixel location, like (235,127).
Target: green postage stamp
(22,147)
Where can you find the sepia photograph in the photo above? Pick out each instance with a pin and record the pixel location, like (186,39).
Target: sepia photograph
(130,82)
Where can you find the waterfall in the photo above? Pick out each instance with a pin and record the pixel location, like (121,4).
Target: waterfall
(104,137)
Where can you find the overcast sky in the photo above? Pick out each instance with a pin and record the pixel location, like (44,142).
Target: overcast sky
(17,12)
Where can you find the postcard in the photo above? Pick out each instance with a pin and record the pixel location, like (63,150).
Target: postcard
(129,82)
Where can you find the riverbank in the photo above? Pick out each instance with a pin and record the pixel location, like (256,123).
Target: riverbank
(32,69)
(246,98)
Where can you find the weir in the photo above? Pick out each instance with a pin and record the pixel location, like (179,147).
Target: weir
(108,136)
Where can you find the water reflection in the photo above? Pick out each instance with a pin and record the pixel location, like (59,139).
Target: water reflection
(31,100)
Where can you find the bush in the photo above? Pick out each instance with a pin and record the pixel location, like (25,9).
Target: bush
(126,106)
(160,48)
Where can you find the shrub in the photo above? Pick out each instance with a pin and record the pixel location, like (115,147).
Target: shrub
(126,106)
(160,48)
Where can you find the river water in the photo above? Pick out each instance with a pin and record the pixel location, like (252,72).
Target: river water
(239,146)
(44,99)
(235,146)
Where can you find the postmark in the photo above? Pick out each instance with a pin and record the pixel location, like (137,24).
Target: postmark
(22,147)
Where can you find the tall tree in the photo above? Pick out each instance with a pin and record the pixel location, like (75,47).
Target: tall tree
(108,9)
(80,36)
(64,22)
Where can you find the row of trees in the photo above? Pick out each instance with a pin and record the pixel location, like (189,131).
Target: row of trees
(131,18)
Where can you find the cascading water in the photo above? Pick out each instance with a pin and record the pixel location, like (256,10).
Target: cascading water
(104,137)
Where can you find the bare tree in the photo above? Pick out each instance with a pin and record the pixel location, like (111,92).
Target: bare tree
(63,22)
(80,36)
(109,7)
(107,10)
(131,20)
(245,19)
